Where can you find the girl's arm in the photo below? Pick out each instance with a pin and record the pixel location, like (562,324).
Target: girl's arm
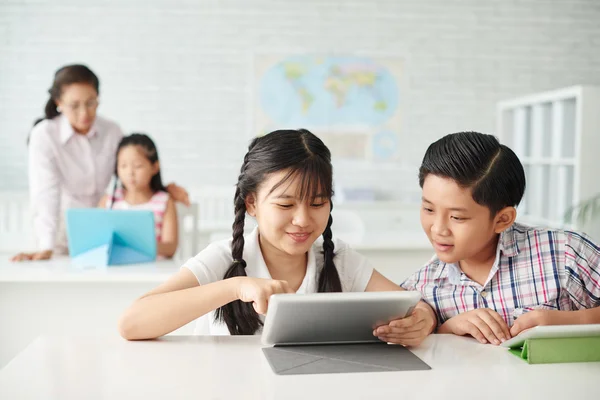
(173,304)
(102,202)
(169,240)
(182,299)
(379,283)
(410,330)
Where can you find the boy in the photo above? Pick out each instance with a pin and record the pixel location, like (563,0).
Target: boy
(491,277)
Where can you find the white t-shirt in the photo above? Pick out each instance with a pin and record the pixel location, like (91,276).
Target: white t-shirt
(211,264)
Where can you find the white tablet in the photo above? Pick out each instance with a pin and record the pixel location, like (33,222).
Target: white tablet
(553,331)
(323,318)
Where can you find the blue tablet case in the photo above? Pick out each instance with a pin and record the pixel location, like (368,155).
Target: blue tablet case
(99,237)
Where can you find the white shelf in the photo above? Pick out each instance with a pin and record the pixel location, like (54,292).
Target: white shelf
(543,97)
(556,135)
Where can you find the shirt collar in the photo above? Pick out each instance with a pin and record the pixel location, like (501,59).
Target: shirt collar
(507,246)
(508,242)
(67,132)
(256,266)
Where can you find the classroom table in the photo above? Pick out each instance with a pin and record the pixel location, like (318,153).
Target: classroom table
(234,367)
(57,297)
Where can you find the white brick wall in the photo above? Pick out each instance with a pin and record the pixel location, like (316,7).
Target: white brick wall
(179,70)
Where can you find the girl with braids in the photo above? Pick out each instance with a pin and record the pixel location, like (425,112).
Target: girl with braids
(138,186)
(71,158)
(285,183)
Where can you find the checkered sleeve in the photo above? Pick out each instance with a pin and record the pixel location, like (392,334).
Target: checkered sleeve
(582,264)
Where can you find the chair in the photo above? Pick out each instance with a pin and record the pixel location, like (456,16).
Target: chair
(348,226)
(187,224)
(215,208)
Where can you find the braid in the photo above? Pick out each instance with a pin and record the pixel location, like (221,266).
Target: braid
(329,279)
(240,317)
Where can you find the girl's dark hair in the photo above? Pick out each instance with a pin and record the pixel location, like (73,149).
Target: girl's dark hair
(305,157)
(144,142)
(477,161)
(67,75)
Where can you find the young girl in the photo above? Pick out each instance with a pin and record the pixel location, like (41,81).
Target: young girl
(286,184)
(138,171)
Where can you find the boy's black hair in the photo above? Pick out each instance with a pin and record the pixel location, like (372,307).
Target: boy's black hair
(479,162)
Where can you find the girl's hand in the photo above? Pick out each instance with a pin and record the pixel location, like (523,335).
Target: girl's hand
(257,291)
(484,324)
(40,255)
(411,330)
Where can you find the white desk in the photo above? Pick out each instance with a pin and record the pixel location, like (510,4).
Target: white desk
(182,367)
(60,269)
(53,297)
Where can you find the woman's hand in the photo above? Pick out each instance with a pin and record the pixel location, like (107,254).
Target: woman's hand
(40,255)
(178,194)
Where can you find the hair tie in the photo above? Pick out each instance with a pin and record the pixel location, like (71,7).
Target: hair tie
(241,262)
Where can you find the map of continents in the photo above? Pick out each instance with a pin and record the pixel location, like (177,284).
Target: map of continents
(328,91)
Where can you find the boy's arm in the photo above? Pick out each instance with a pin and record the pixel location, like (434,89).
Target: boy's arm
(554,317)
(582,267)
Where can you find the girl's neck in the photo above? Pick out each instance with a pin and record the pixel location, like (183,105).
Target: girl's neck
(137,196)
(283,266)
(478,267)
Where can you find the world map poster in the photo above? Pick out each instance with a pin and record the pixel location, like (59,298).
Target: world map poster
(355,104)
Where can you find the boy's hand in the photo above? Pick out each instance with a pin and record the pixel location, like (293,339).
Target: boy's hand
(411,330)
(538,317)
(484,324)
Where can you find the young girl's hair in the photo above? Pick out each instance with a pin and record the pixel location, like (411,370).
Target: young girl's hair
(67,75)
(305,157)
(147,145)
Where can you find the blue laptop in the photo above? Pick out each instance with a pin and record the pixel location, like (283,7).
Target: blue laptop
(100,237)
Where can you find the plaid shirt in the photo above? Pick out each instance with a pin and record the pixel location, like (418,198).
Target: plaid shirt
(534,269)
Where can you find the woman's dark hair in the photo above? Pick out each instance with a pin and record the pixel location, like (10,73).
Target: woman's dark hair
(479,162)
(305,157)
(67,75)
(147,145)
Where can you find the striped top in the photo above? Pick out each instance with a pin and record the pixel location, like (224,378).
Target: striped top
(534,269)
(157,204)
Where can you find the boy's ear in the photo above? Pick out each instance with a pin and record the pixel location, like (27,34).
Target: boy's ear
(504,219)
(251,205)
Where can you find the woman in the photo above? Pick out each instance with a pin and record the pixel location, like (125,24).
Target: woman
(71,158)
